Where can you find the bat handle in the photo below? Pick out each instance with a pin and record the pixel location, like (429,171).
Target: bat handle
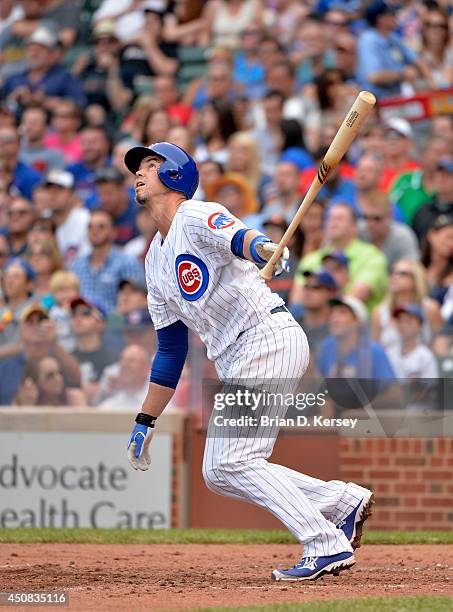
(267,271)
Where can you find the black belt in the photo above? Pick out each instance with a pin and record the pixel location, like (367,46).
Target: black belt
(281,308)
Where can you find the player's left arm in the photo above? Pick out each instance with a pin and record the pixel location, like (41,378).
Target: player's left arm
(172,347)
(258,248)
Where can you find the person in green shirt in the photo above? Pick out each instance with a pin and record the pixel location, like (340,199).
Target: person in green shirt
(367,265)
(413,189)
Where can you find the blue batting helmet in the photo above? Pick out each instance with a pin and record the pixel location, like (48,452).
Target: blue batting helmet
(177,172)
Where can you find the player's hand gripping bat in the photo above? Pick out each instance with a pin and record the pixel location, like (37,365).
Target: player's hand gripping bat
(348,130)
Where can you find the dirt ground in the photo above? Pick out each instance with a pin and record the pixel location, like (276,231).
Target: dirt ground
(172,577)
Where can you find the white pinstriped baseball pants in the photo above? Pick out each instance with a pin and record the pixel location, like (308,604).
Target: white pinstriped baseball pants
(277,350)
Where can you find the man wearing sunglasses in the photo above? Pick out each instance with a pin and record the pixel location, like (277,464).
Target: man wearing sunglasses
(396,240)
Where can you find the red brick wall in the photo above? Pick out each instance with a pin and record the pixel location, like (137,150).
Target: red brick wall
(411,477)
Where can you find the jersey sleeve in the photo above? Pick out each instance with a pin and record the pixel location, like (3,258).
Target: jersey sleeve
(160,313)
(211,228)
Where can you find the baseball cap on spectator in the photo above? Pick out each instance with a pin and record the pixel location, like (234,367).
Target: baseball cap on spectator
(23,263)
(108,174)
(400,126)
(81,301)
(106,28)
(442,221)
(33,308)
(356,306)
(323,277)
(445,164)
(412,309)
(338,256)
(378,8)
(43,36)
(61,178)
(136,319)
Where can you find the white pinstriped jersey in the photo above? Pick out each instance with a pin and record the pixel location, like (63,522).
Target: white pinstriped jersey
(193,276)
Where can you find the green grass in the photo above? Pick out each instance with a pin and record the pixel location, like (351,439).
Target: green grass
(202,536)
(421,603)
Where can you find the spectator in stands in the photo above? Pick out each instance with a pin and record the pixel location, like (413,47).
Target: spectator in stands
(156,127)
(132,296)
(41,229)
(441,203)
(12,170)
(149,54)
(105,80)
(64,17)
(45,259)
(371,140)
(226,19)
(410,357)
(384,62)
(442,347)
(407,286)
(319,288)
(349,352)
(368,176)
(165,90)
(64,287)
(337,264)
(101,271)
(138,247)
(180,135)
(411,190)
(396,240)
(38,339)
(9,13)
(114,197)
(244,158)
(285,192)
(209,170)
(129,387)
(437,256)
(216,124)
(118,153)
(70,218)
(44,383)
(281,77)
(33,151)
(138,329)
(217,84)
(309,51)
(65,138)
(248,70)
(88,325)
(436,50)
(95,145)
(312,228)
(399,144)
(293,145)
(269,136)
(345,55)
(20,218)
(234,192)
(331,94)
(17,285)
(367,265)
(44,80)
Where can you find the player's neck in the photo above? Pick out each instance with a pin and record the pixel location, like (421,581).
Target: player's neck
(163,211)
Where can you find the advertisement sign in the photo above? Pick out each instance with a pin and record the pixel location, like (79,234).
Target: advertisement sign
(62,479)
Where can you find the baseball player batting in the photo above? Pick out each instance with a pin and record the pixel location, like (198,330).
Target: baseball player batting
(202,273)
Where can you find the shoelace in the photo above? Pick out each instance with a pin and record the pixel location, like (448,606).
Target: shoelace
(307,563)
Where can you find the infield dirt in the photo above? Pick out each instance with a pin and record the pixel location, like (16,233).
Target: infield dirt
(172,577)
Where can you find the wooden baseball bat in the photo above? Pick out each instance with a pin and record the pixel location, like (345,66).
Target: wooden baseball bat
(348,130)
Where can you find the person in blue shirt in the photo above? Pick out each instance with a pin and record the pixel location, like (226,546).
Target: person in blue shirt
(248,70)
(384,62)
(23,177)
(349,352)
(114,196)
(101,271)
(43,80)
(357,369)
(95,144)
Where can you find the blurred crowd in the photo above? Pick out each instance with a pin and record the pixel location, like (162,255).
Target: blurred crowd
(255,90)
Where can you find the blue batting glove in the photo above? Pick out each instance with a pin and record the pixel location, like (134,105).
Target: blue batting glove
(138,447)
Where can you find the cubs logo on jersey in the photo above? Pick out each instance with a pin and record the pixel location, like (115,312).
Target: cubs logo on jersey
(220,220)
(192,276)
